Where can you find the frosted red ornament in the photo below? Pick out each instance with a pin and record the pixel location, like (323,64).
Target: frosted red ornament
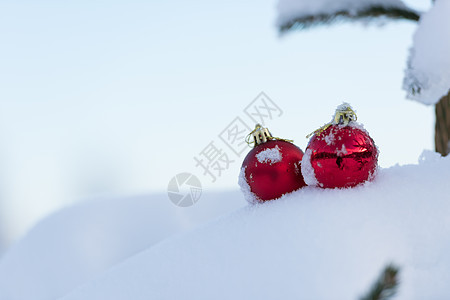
(271,169)
(340,154)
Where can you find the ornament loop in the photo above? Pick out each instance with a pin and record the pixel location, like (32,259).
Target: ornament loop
(261,135)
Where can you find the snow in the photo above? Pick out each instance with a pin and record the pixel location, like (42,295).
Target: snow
(76,244)
(270,155)
(343,107)
(329,139)
(311,244)
(358,125)
(342,151)
(307,170)
(427,77)
(245,188)
(289,10)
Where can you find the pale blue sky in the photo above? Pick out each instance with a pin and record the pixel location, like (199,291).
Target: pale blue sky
(116,97)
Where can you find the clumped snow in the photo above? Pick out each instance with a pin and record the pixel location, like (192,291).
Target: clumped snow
(359,126)
(270,155)
(329,139)
(344,107)
(342,151)
(427,77)
(289,10)
(245,188)
(310,244)
(307,170)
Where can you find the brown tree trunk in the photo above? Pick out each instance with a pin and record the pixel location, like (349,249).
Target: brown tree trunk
(442,129)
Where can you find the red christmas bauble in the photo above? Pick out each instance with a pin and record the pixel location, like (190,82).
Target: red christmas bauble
(270,170)
(340,156)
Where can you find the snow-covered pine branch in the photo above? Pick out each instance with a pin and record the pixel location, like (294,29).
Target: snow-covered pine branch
(427,77)
(300,14)
(386,285)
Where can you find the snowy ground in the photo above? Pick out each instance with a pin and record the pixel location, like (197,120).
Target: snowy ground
(312,244)
(78,243)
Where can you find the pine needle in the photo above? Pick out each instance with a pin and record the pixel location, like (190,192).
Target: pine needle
(386,285)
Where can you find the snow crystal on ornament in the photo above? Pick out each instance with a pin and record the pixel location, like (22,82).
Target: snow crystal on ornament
(271,155)
(341,152)
(307,170)
(357,125)
(360,126)
(329,139)
(245,188)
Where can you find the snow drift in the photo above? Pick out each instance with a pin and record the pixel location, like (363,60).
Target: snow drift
(78,243)
(311,244)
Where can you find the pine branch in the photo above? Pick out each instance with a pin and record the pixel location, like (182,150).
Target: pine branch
(367,14)
(386,285)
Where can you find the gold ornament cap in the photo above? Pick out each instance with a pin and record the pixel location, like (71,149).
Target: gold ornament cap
(343,116)
(261,135)
(258,136)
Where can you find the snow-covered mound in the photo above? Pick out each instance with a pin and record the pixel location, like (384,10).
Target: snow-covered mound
(78,243)
(427,77)
(312,244)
